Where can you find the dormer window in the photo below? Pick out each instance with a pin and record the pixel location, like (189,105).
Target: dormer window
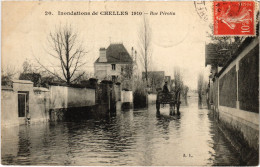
(113,66)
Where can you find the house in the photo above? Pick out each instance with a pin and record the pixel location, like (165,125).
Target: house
(116,64)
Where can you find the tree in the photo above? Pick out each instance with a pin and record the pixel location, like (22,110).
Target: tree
(126,76)
(7,75)
(69,53)
(202,87)
(145,45)
(178,80)
(34,77)
(225,45)
(185,91)
(126,72)
(156,80)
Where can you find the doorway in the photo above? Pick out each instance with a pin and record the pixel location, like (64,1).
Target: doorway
(23,104)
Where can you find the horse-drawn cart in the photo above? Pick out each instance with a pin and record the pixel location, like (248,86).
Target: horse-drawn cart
(171,98)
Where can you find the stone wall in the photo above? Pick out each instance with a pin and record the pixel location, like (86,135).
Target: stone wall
(235,111)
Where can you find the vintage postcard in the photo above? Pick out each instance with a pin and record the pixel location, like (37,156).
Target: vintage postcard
(130,83)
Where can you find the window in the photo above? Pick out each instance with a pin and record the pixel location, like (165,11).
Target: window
(113,66)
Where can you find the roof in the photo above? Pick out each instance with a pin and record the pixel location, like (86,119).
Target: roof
(6,87)
(212,57)
(22,81)
(40,89)
(117,53)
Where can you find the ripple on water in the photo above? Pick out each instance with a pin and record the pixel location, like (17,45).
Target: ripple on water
(129,138)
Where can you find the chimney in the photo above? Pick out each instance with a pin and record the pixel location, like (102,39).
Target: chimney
(102,55)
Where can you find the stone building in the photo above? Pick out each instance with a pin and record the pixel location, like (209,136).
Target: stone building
(116,64)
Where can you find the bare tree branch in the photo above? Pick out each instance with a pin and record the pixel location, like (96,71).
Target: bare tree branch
(64,47)
(145,45)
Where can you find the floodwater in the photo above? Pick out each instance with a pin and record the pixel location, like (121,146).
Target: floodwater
(129,138)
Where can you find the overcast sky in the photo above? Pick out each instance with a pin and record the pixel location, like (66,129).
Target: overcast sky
(177,40)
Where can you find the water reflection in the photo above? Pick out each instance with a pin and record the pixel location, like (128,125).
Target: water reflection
(139,137)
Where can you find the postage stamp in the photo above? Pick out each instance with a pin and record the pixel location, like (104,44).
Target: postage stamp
(234,18)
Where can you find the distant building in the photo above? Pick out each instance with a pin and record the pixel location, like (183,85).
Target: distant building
(116,64)
(155,79)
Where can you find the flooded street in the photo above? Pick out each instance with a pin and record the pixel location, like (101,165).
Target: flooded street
(130,138)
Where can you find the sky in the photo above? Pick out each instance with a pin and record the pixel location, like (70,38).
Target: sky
(177,40)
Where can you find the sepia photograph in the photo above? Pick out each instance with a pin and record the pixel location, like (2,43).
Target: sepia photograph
(130,83)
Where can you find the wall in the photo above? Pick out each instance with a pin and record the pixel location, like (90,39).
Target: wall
(9,107)
(66,97)
(228,88)
(117,89)
(126,96)
(104,71)
(81,97)
(58,97)
(152,98)
(100,70)
(38,106)
(242,117)
(39,111)
(248,84)
(215,94)
(44,103)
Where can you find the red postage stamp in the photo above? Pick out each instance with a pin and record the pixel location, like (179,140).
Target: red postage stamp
(234,18)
